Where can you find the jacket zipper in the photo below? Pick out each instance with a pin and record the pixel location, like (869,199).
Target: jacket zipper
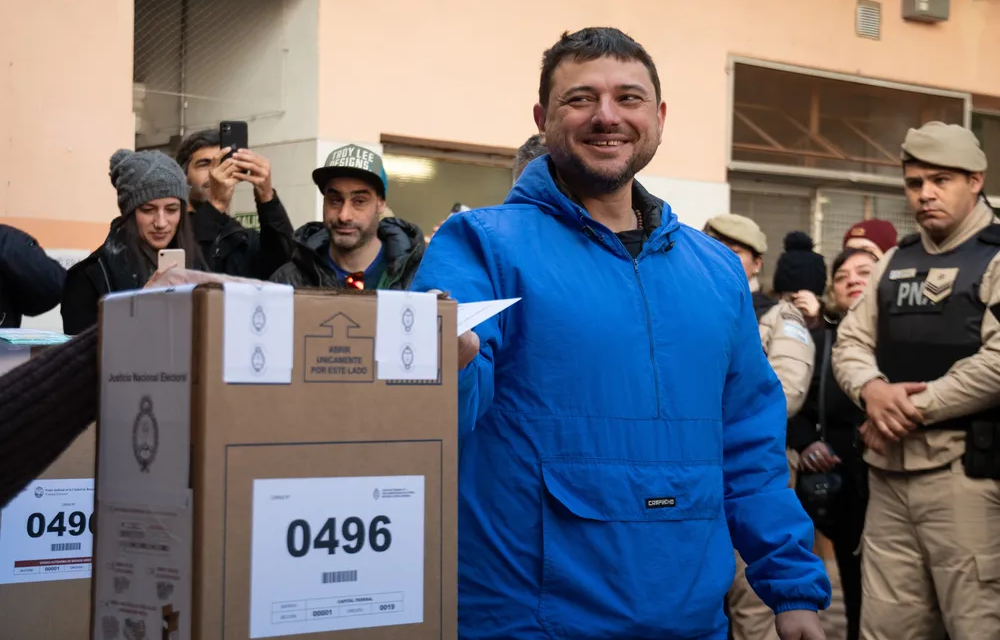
(649,318)
(649,333)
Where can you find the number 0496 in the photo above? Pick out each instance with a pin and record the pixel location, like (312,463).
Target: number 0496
(299,538)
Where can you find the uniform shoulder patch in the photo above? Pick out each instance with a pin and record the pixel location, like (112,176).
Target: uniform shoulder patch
(793,329)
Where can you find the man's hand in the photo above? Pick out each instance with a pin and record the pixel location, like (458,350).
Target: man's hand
(256,170)
(889,407)
(799,625)
(873,438)
(468,348)
(817,458)
(222,181)
(468,342)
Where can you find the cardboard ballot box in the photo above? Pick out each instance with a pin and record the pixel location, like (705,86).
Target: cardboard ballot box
(273,465)
(45,532)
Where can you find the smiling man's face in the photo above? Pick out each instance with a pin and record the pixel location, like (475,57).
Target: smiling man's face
(603,123)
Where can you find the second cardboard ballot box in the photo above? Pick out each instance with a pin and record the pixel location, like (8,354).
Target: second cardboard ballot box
(275,464)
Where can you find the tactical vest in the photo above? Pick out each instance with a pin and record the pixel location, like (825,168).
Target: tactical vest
(929,310)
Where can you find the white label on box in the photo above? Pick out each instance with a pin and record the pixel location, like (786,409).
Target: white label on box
(406,336)
(142,585)
(329,554)
(46,532)
(258,341)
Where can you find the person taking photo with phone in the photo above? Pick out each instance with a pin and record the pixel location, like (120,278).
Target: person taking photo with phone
(213,172)
(152,197)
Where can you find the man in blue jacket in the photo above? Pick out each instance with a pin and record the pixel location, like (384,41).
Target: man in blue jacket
(621,428)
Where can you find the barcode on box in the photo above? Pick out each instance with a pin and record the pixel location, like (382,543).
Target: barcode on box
(334,577)
(66,546)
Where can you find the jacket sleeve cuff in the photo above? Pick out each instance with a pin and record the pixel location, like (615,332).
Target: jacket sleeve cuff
(270,209)
(796,605)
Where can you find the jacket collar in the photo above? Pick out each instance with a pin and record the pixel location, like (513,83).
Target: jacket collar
(402,242)
(538,186)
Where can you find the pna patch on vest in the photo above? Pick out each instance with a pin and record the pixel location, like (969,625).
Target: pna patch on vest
(660,503)
(908,297)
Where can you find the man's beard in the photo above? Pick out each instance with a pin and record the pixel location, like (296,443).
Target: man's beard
(350,244)
(584,180)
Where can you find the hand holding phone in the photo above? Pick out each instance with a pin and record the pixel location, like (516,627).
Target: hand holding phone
(233,134)
(170,258)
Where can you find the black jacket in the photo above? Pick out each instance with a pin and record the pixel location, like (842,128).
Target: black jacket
(110,268)
(230,248)
(842,416)
(403,247)
(31,282)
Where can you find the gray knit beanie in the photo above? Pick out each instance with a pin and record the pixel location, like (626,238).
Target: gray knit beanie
(141,176)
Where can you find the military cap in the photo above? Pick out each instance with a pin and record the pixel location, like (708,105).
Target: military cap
(738,228)
(944,145)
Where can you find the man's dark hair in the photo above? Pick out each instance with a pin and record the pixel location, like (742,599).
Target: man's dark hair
(532,148)
(590,44)
(194,142)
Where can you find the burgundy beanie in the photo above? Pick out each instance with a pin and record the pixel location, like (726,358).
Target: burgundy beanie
(881,232)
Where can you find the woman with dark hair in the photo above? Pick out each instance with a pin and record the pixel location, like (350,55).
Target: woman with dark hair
(825,434)
(152,196)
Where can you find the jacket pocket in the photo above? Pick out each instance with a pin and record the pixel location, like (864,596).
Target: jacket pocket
(624,545)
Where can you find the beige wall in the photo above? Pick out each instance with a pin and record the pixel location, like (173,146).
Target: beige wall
(468,72)
(65,106)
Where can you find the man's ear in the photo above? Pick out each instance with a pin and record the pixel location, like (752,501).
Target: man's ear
(539,114)
(977,181)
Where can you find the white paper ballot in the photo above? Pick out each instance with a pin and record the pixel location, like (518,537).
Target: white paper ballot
(472,314)
(406,335)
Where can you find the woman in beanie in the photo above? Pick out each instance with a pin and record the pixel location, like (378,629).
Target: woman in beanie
(824,434)
(152,192)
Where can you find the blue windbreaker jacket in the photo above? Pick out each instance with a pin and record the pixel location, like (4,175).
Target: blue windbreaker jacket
(620,430)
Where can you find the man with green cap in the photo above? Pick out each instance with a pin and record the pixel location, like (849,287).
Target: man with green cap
(352,247)
(920,353)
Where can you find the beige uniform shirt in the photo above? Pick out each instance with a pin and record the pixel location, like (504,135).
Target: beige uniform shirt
(790,350)
(970,386)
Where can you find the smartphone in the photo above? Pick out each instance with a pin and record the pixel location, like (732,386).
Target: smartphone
(233,134)
(169,257)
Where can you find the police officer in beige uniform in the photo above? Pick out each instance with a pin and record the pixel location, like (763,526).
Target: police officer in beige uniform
(790,351)
(920,352)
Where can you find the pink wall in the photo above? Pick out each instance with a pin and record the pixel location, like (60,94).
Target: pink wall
(468,72)
(65,106)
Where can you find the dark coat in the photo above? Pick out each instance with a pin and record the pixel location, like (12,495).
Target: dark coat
(230,248)
(31,282)
(403,247)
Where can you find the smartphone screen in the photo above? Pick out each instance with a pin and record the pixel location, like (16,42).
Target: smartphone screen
(170,257)
(233,134)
